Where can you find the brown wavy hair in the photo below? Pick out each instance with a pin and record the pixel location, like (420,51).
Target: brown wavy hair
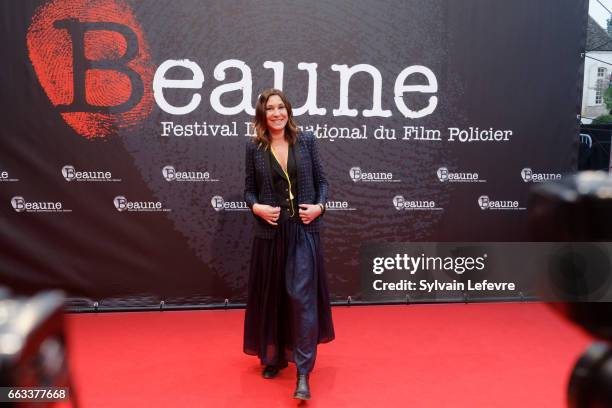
(262,135)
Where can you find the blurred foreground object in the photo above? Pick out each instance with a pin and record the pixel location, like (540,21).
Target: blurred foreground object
(576,208)
(579,209)
(33,345)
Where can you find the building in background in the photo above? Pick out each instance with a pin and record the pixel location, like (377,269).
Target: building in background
(597,71)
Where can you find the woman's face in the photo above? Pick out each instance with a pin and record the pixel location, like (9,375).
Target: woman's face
(276,113)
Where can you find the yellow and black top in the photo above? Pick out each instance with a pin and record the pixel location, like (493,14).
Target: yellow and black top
(284,184)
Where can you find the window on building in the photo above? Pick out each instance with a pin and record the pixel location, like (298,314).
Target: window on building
(600,85)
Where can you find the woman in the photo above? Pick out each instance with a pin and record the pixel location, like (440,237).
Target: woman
(288,311)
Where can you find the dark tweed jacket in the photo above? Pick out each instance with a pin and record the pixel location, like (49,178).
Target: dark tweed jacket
(312,184)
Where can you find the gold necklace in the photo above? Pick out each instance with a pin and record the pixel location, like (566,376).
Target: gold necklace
(291,197)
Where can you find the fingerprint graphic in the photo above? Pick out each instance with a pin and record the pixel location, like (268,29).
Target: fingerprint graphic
(53,52)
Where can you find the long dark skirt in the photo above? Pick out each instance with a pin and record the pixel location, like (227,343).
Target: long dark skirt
(288,311)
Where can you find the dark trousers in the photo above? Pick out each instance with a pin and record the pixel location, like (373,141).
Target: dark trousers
(288,310)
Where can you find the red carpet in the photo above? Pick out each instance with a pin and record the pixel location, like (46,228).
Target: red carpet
(478,355)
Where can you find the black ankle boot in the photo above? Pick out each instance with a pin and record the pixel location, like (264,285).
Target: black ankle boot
(271,371)
(302,389)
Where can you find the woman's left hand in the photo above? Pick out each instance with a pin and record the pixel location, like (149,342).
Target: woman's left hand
(309,212)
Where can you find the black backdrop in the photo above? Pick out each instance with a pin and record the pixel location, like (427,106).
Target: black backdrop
(69,99)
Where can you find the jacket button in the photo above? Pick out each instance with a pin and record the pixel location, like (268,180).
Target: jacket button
(287,199)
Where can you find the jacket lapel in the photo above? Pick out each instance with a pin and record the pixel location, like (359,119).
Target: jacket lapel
(299,158)
(268,168)
(297,154)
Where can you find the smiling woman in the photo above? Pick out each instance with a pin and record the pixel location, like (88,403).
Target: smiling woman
(288,311)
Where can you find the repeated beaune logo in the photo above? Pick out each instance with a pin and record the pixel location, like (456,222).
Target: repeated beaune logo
(446,176)
(5,177)
(170,173)
(70,173)
(400,203)
(219,204)
(20,204)
(93,63)
(485,203)
(121,203)
(339,205)
(368,176)
(529,176)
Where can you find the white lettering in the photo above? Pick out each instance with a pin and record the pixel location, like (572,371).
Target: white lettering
(160,82)
(310,105)
(345,76)
(278,68)
(244,85)
(430,87)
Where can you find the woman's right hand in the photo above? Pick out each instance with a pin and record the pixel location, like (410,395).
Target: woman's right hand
(267,212)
